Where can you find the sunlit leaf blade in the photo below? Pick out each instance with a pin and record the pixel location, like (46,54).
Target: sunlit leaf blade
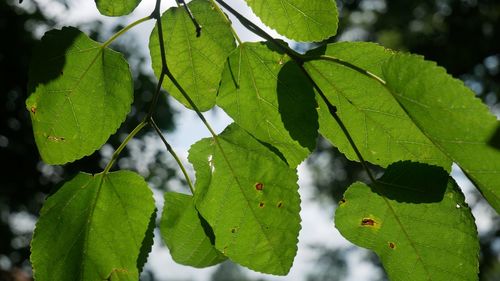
(249,197)
(449,114)
(417,222)
(381,129)
(93,228)
(300,20)
(187,235)
(195,62)
(80,94)
(114,8)
(268,95)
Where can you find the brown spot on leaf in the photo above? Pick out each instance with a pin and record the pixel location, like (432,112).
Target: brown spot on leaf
(55,139)
(259,186)
(392,245)
(342,201)
(280,204)
(33,109)
(234,229)
(261,205)
(367,222)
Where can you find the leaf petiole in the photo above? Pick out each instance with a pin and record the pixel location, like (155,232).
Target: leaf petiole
(124,30)
(123,145)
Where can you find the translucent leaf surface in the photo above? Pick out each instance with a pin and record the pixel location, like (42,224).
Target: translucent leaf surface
(80,94)
(93,228)
(189,238)
(249,197)
(115,8)
(196,62)
(381,129)
(449,114)
(267,94)
(300,20)
(417,222)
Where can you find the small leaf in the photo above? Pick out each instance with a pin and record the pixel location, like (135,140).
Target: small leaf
(381,129)
(416,220)
(267,94)
(189,238)
(80,94)
(300,20)
(195,61)
(93,228)
(114,8)
(249,197)
(451,116)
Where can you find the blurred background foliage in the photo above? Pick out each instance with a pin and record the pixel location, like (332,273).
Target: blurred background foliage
(461,35)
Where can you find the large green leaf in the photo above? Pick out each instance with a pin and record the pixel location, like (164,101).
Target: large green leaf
(93,228)
(268,95)
(196,62)
(381,129)
(80,94)
(449,114)
(249,197)
(300,20)
(115,8)
(187,235)
(416,220)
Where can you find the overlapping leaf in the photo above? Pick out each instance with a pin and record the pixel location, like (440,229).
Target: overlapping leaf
(300,20)
(249,197)
(267,94)
(80,94)
(93,228)
(196,62)
(187,235)
(417,222)
(114,8)
(449,114)
(381,129)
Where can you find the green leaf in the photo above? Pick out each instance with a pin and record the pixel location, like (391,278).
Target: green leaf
(449,114)
(80,94)
(267,94)
(189,238)
(93,228)
(416,220)
(195,62)
(249,197)
(114,8)
(381,129)
(300,20)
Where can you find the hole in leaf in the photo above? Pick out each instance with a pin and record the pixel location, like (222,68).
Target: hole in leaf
(261,205)
(259,186)
(392,245)
(367,222)
(280,204)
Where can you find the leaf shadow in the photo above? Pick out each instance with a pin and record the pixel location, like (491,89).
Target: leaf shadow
(297,105)
(494,140)
(147,242)
(48,57)
(412,182)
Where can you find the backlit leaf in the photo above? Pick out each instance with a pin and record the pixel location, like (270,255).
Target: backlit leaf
(187,235)
(80,94)
(249,197)
(416,220)
(381,129)
(93,228)
(300,20)
(449,114)
(267,94)
(196,62)
(115,8)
